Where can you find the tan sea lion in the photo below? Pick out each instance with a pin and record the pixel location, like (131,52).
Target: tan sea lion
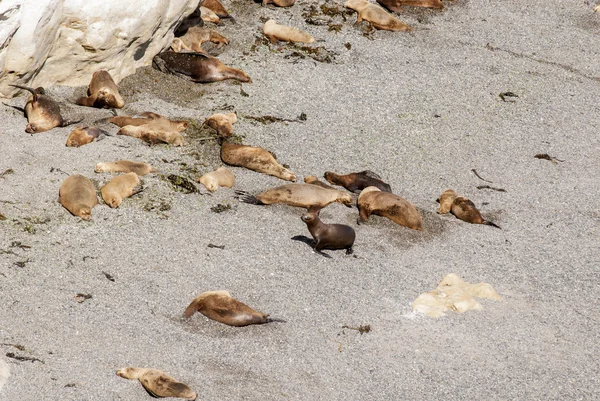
(209,15)
(275,32)
(223,308)
(42,112)
(396,5)
(356,182)
(300,195)
(152,134)
(311,179)
(125,166)
(279,3)
(102,92)
(197,67)
(158,383)
(465,210)
(222,123)
(253,158)
(196,36)
(148,117)
(376,15)
(217,7)
(374,201)
(446,199)
(119,188)
(221,177)
(329,236)
(83,135)
(77,194)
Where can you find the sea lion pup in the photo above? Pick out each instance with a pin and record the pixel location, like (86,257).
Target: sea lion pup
(125,166)
(223,308)
(221,177)
(446,199)
(197,67)
(275,32)
(119,188)
(83,135)
(254,158)
(356,182)
(311,179)
(279,3)
(465,210)
(196,36)
(396,5)
(329,236)
(374,201)
(102,92)
(217,7)
(209,15)
(376,15)
(77,194)
(300,195)
(158,383)
(42,112)
(222,123)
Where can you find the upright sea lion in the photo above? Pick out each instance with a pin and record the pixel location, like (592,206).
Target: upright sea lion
(279,3)
(197,67)
(42,112)
(158,383)
(218,178)
(223,308)
(356,182)
(311,179)
(465,210)
(446,199)
(300,195)
(78,195)
(196,36)
(217,7)
(374,201)
(102,92)
(222,123)
(125,166)
(376,15)
(329,236)
(83,135)
(275,32)
(253,158)
(148,117)
(396,5)
(119,188)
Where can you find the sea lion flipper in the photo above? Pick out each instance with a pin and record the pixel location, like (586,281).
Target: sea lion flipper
(323,254)
(489,223)
(71,122)
(246,197)
(34,92)
(274,319)
(371,174)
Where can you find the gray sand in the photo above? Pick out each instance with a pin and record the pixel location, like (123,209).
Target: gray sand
(422,110)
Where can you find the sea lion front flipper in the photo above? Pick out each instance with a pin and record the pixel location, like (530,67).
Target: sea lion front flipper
(322,254)
(274,319)
(86,101)
(349,251)
(21,109)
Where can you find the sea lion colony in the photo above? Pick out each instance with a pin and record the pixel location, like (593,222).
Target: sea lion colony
(79,195)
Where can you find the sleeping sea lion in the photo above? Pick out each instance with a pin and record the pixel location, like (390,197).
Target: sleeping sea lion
(329,236)
(374,201)
(300,195)
(446,199)
(311,179)
(396,5)
(158,383)
(125,166)
(42,112)
(223,308)
(279,3)
(376,15)
(222,123)
(218,178)
(148,117)
(356,182)
(197,67)
(465,210)
(78,195)
(253,158)
(196,36)
(217,7)
(83,135)
(119,188)
(209,15)
(275,32)
(102,92)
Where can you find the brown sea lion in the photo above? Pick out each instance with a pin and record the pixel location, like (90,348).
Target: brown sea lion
(446,199)
(77,194)
(209,15)
(102,92)
(152,134)
(329,236)
(197,67)
(221,177)
(119,188)
(374,201)
(83,135)
(217,7)
(465,210)
(196,36)
(125,166)
(253,158)
(42,112)
(356,182)
(158,383)
(148,117)
(396,5)
(223,308)
(279,3)
(311,179)
(300,195)
(275,32)
(222,123)
(376,15)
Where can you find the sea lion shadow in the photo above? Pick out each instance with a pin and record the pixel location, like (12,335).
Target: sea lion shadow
(311,242)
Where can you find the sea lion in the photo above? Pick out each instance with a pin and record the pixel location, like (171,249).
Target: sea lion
(209,15)
(158,383)
(279,3)
(221,177)
(311,179)
(83,135)
(197,67)
(196,36)
(275,32)
(376,15)
(465,210)
(445,200)
(374,201)
(119,188)
(78,195)
(356,182)
(102,92)
(152,134)
(254,158)
(223,308)
(42,112)
(125,166)
(396,5)
(217,7)
(148,117)
(329,236)
(222,123)
(300,195)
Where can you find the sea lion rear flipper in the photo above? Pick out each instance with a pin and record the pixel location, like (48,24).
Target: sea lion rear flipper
(489,223)
(274,319)
(246,197)
(21,109)
(34,92)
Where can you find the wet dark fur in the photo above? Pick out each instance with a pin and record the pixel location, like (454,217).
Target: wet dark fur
(356,182)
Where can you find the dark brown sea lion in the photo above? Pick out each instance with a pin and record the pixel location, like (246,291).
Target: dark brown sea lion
(300,195)
(223,308)
(311,179)
(83,135)
(158,383)
(102,92)
(396,5)
(217,7)
(254,158)
(329,236)
(465,210)
(119,188)
(197,67)
(42,112)
(356,182)
(125,166)
(78,195)
(373,201)
(446,199)
(376,15)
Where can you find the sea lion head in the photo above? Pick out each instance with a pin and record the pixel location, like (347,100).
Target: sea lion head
(85,212)
(100,168)
(309,217)
(128,373)
(329,176)
(210,182)
(113,201)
